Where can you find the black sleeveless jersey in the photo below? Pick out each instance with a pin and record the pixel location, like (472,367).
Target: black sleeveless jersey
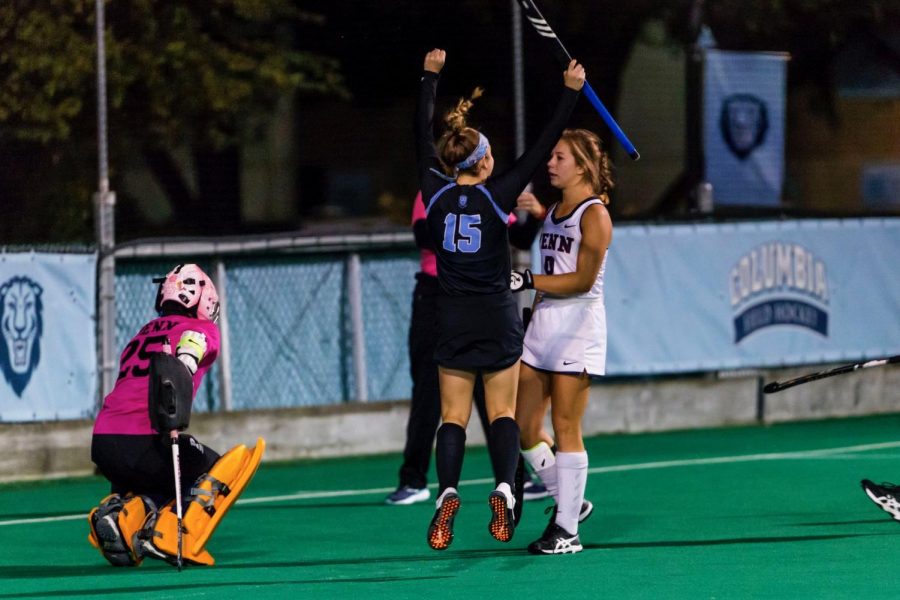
(468,224)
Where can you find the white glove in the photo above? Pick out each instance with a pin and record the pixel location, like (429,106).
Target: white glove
(191,349)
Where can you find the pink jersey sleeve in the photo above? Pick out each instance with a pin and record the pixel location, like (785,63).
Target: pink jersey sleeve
(418,211)
(427,258)
(125,409)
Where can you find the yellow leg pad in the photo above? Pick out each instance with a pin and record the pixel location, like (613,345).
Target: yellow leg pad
(92,537)
(214,493)
(129,513)
(165,540)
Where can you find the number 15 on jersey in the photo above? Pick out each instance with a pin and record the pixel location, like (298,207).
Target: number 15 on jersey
(461,233)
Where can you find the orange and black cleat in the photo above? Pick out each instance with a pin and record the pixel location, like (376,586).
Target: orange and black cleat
(502,522)
(440,532)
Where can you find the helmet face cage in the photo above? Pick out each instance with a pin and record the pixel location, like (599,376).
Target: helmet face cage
(190,287)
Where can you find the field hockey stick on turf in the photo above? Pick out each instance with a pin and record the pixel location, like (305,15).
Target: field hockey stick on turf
(775,386)
(537,20)
(176,462)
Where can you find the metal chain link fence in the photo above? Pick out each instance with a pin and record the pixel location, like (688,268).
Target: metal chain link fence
(287,332)
(288,324)
(388,281)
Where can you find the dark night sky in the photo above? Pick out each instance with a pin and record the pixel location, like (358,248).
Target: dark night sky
(380,44)
(381,47)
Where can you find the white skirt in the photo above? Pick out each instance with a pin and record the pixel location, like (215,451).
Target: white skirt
(567,335)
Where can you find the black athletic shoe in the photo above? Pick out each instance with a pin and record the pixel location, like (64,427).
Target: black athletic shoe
(885,495)
(587,509)
(555,540)
(503,522)
(440,532)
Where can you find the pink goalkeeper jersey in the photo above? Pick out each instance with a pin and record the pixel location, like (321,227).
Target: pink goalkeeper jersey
(427,259)
(125,409)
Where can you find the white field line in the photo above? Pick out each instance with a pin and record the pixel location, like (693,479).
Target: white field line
(823,453)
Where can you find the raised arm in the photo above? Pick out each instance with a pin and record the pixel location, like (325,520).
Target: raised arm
(506,187)
(426,155)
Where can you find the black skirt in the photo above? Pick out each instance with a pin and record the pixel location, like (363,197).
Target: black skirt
(482,333)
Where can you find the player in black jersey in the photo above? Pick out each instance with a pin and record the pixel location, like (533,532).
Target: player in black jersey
(479,329)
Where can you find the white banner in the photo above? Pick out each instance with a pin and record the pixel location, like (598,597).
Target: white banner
(48,354)
(686,298)
(743,126)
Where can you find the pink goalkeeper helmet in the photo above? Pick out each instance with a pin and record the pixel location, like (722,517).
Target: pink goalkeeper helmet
(190,287)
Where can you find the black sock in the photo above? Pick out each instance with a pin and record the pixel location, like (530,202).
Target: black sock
(449,452)
(503,445)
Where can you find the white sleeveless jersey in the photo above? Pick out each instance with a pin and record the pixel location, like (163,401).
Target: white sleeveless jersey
(567,334)
(560,241)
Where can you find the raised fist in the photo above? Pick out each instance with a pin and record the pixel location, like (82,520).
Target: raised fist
(434,60)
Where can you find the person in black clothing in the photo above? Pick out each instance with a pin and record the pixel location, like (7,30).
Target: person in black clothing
(479,329)
(425,404)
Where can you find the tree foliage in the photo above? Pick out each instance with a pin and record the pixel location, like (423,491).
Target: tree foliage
(179,74)
(46,65)
(812,31)
(178,71)
(192,74)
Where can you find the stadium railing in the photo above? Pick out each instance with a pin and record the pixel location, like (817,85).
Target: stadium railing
(306,320)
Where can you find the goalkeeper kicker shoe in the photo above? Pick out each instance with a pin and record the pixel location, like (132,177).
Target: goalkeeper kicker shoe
(885,495)
(440,531)
(555,540)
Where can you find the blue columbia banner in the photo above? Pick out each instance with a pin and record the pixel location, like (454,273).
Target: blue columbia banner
(706,297)
(48,354)
(780,312)
(743,126)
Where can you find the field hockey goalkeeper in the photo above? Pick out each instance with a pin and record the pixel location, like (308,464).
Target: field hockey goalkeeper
(168,492)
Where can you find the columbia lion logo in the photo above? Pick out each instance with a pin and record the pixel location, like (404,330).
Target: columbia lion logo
(779,283)
(744,122)
(21,322)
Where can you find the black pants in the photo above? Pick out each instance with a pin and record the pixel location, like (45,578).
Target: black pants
(142,464)
(425,408)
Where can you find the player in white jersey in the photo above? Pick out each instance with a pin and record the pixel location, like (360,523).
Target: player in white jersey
(565,343)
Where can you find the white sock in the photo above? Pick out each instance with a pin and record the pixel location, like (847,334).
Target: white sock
(572,470)
(543,462)
(507,491)
(440,500)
